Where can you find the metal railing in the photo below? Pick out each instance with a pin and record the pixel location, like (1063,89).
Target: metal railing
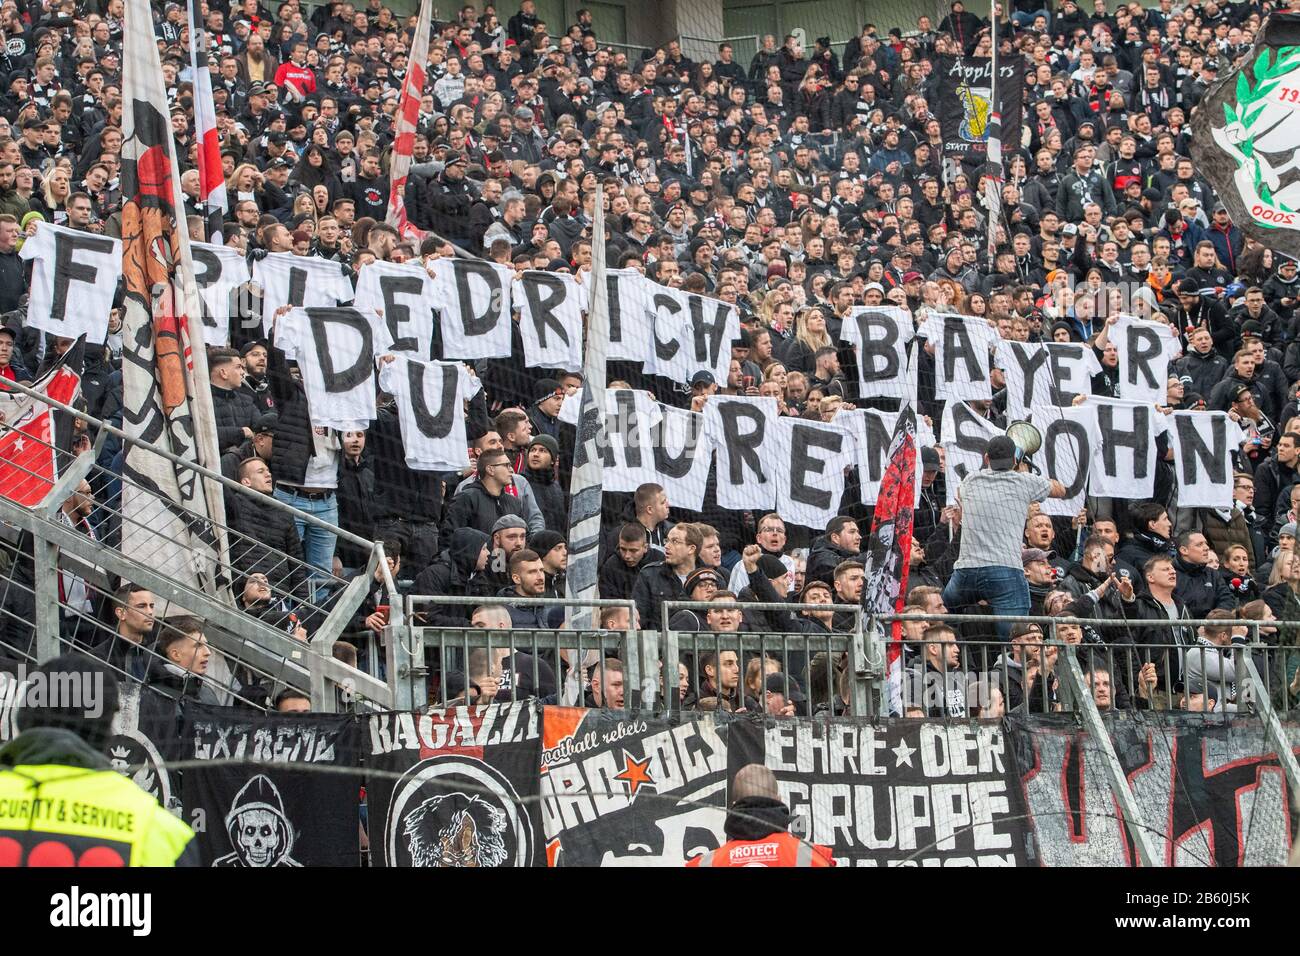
(566,654)
(793,652)
(281,624)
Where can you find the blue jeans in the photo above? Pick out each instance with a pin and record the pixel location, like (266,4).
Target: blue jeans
(317,543)
(1005,589)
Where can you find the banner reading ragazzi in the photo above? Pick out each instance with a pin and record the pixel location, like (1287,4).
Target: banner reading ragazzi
(454,787)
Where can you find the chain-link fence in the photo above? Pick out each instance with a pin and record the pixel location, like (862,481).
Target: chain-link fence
(67,583)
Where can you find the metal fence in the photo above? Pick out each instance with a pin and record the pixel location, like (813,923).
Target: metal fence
(274,622)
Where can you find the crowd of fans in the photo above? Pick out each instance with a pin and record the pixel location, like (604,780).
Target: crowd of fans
(797,186)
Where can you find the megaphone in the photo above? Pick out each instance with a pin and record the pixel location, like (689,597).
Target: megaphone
(1026,437)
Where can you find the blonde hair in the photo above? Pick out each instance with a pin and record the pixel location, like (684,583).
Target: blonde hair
(807,338)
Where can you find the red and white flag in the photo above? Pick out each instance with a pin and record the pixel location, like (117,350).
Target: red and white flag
(408,115)
(212,184)
(28,464)
(890,547)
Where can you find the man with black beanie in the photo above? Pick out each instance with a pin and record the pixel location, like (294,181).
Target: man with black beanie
(757,828)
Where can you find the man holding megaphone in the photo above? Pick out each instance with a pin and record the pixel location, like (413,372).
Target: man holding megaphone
(994,505)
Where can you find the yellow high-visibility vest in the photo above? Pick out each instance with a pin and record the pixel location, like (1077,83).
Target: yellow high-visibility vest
(55,815)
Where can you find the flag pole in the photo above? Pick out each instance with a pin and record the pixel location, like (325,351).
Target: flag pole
(586,484)
(993,155)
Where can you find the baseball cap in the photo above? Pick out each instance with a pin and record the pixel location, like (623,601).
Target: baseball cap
(873,285)
(777,684)
(1069,229)
(1002,453)
(912,276)
(929,459)
(703,378)
(524,112)
(1029,555)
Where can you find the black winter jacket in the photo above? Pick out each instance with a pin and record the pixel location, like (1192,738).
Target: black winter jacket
(1201,589)
(655,584)
(473,507)
(264,534)
(1138,550)
(443,206)
(234,411)
(293,435)
(455,572)
(616,579)
(824,558)
(1205,371)
(356,500)
(550,498)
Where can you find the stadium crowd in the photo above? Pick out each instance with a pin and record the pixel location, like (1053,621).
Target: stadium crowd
(798,186)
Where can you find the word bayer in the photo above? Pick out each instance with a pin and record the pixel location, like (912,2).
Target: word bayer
(74,909)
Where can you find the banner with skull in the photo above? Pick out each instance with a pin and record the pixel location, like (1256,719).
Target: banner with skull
(454,787)
(1246,137)
(272,790)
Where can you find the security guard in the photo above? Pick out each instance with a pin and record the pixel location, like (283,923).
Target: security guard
(757,822)
(61,804)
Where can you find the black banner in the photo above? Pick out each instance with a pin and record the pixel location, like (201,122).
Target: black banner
(963,107)
(454,787)
(621,789)
(266,792)
(903,793)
